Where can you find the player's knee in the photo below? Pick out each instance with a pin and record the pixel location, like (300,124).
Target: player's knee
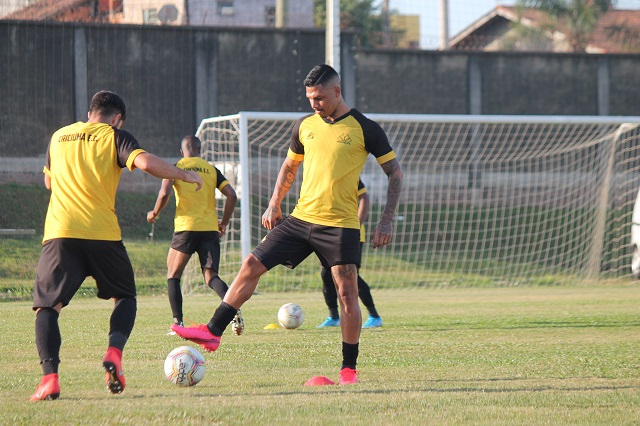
(252,268)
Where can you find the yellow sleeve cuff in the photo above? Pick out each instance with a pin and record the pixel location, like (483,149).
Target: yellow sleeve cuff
(387,157)
(132,157)
(294,156)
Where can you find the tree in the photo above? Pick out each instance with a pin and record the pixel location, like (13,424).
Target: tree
(363,16)
(575,18)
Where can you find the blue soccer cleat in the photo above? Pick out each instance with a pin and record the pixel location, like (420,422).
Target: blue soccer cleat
(372,322)
(329,322)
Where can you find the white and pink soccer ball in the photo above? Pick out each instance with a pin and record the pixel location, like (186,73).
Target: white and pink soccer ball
(290,316)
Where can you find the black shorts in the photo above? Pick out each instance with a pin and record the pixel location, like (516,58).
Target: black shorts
(293,240)
(206,243)
(66,262)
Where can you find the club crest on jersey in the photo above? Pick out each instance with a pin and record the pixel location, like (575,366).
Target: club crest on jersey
(344,138)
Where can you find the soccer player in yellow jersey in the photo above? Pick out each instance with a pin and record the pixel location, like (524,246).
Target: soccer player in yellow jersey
(364,291)
(334,144)
(81,233)
(196,226)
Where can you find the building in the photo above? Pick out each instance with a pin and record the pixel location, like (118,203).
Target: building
(223,13)
(512,28)
(408,29)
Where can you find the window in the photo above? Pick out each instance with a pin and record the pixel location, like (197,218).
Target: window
(225,8)
(150,16)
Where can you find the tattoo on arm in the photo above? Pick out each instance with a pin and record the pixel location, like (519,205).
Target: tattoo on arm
(286,178)
(393,170)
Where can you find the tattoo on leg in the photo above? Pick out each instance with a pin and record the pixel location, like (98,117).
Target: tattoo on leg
(346,271)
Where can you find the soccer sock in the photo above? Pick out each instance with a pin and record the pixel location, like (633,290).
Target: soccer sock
(121,323)
(365,295)
(48,340)
(221,318)
(175,298)
(329,292)
(349,355)
(219,286)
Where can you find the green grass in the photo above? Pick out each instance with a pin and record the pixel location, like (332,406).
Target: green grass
(534,355)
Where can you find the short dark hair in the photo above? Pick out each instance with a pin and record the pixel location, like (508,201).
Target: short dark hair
(106,103)
(321,75)
(191,141)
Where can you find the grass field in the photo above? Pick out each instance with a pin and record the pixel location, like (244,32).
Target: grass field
(534,355)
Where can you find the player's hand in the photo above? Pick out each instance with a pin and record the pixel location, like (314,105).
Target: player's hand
(193,177)
(152,217)
(272,217)
(382,234)
(222,228)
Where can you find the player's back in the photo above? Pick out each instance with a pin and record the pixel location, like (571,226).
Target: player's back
(82,165)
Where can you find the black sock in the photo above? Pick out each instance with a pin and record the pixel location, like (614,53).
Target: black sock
(330,293)
(365,295)
(121,322)
(175,298)
(48,340)
(349,355)
(333,312)
(221,318)
(219,286)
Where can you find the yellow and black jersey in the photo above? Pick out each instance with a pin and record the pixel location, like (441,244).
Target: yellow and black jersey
(361,191)
(84,162)
(334,154)
(196,210)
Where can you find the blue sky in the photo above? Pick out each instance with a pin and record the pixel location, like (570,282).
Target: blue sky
(461,14)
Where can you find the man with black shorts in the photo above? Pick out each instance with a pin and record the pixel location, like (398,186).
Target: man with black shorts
(329,290)
(196,226)
(334,143)
(81,233)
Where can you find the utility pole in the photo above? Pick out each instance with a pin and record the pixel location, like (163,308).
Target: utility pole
(444,25)
(282,13)
(332,37)
(386,35)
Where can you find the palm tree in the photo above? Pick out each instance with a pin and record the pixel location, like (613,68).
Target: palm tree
(576,18)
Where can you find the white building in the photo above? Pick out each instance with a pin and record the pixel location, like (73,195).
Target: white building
(222,13)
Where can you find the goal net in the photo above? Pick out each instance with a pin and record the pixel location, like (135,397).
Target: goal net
(495,200)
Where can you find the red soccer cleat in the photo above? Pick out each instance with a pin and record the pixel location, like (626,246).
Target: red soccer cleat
(48,389)
(199,334)
(112,364)
(348,376)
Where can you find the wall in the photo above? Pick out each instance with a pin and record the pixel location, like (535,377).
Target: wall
(172,77)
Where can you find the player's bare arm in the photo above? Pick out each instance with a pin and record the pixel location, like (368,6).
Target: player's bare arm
(156,167)
(273,215)
(363,207)
(384,231)
(229,205)
(161,202)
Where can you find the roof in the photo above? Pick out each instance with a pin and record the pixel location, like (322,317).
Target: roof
(617,31)
(64,11)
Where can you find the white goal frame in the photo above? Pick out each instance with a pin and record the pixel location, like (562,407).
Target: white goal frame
(612,128)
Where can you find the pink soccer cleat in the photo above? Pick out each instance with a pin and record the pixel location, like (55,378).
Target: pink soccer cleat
(48,389)
(199,334)
(348,376)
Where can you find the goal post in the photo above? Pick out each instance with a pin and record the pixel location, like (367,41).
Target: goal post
(496,200)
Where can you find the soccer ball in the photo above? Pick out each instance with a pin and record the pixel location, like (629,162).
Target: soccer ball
(184,366)
(290,316)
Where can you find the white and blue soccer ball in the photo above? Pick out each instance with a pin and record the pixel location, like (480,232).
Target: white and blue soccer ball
(290,316)
(184,366)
